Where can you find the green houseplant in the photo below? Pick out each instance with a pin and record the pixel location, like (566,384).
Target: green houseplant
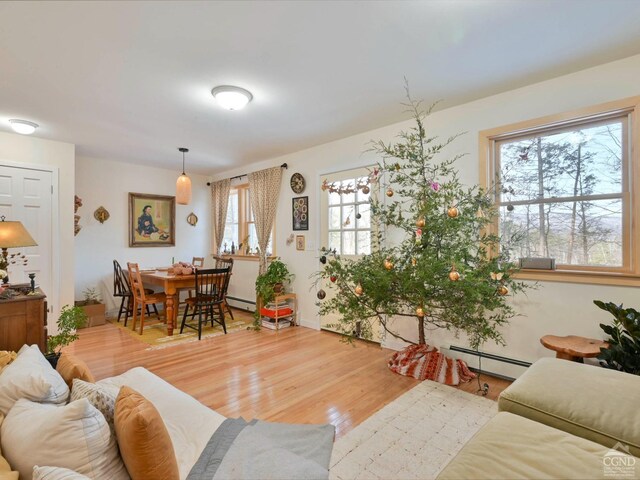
(273,281)
(70,320)
(623,353)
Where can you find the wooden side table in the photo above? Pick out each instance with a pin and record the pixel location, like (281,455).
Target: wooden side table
(284,299)
(572,347)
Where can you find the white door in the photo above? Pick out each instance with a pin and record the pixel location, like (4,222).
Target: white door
(346,227)
(26,196)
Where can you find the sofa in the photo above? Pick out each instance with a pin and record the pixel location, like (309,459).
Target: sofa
(189,423)
(60,424)
(561,420)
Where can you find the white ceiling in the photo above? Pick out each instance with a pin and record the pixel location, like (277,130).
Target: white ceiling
(131,81)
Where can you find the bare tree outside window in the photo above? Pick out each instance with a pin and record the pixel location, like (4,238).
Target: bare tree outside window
(562,193)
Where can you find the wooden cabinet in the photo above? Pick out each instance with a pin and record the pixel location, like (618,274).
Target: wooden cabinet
(23,319)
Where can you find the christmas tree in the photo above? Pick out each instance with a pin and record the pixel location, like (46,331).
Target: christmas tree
(435,256)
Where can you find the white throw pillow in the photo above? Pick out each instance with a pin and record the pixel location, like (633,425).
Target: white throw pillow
(74,436)
(32,377)
(56,473)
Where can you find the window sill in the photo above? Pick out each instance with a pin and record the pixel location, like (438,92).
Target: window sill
(577,276)
(248,258)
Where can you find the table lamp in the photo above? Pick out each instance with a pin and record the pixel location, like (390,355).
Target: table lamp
(13,235)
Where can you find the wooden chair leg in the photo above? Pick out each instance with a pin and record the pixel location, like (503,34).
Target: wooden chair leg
(142,312)
(155,309)
(134,314)
(200,322)
(126,313)
(184,317)
(226,304)
(224,324)
(121,307)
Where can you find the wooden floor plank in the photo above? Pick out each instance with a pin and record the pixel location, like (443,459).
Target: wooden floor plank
(296,375)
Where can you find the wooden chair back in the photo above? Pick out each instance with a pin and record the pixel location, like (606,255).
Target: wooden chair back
(135,280)
(197,262)
(224,262)
(211,285)
(121,286)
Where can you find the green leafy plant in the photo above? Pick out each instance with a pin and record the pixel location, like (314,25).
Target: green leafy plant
(71,318)
(273,280)
(623,353)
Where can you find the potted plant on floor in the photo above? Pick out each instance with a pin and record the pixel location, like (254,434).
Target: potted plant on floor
(623,352)
(93,307)
(70,320)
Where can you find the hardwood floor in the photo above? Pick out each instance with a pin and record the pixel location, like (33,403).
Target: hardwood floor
(296,375)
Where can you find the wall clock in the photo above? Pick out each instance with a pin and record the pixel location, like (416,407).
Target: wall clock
(297,183)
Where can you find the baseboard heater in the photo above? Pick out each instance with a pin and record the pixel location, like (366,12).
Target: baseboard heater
(249,304)
(493,357)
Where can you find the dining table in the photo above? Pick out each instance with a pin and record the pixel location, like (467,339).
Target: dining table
(172,284)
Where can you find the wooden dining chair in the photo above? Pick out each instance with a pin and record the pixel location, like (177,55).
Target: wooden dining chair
(209,297)
(225,262)
(141,298)
(122,288)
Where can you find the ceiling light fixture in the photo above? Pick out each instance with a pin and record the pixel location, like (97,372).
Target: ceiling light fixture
(230,97)
(183,184)
(23,126)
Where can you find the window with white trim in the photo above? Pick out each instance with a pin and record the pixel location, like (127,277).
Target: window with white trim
(348,215)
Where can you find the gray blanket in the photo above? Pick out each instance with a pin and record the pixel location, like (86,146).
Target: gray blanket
(259,450)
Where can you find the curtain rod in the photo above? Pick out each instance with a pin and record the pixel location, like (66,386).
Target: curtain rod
(284,165)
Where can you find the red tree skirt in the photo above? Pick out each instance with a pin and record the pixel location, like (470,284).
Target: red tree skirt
(426,362)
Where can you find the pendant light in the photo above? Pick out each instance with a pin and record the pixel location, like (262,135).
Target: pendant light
(183,184)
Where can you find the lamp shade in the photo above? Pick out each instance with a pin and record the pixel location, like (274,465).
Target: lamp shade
(183,190)
(13,234)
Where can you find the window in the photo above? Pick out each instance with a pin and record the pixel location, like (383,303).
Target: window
(348,216)
(240,226)
(564,190)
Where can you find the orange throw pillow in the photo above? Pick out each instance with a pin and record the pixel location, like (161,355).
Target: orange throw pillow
(70,367)
(143,439)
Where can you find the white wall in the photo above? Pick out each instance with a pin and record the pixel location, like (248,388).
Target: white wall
(60,158)
(554,308)
(107,184)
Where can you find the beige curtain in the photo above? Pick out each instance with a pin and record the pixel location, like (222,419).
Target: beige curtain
(219,203)
(264,188)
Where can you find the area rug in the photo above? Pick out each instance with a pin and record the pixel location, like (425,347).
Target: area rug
(155,335)
(413,437)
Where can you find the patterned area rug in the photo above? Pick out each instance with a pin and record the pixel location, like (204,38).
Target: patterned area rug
(155,335)
(413,437)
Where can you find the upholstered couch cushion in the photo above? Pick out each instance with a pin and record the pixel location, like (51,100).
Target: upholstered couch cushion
(6,472)
(56,473)
(70,367)
(74,436)
(144,442)
(513,447)
(190,424)
(30,376)
(588,401)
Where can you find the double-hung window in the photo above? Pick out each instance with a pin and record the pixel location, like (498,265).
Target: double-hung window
(564,187)
(240,225)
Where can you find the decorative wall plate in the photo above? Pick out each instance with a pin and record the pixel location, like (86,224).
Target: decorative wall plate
(101,214)
(192,219)
(297,183)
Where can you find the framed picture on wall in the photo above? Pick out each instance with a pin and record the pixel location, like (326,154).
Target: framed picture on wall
(151,220)
(300,242)
(300,213)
